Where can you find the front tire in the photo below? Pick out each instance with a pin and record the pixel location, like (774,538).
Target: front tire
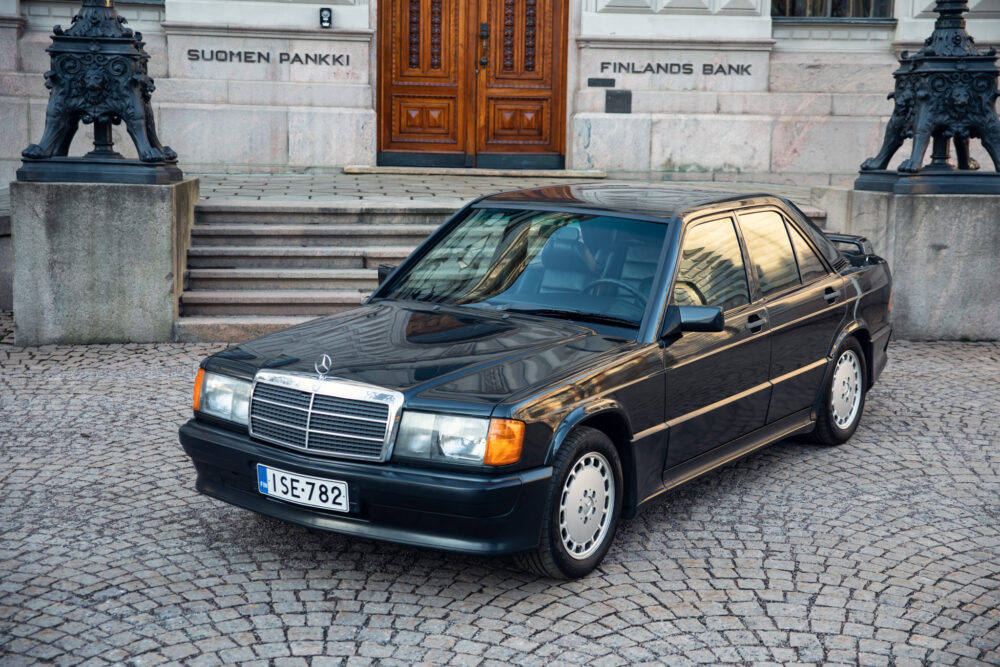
(843,396)
(582,510)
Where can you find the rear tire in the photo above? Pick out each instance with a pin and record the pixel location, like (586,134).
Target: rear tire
(843,396)
(582,510)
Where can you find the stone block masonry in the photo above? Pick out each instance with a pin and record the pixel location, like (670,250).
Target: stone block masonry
(99,263)
(943,252)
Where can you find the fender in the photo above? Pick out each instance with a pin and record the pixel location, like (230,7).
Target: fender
(580,414)
(610,408)
(851,328)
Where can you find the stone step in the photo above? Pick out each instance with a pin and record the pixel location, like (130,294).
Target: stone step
(231,328)
(269,302)
(336,257)
(282,279)
(309,235)
(476,171)
(351,211)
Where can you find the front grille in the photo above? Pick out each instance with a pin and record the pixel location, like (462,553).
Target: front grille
(328,417)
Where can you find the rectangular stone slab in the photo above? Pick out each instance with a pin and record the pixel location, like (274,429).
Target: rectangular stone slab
(99,263)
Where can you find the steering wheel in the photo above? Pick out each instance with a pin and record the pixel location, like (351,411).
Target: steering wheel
(640,298)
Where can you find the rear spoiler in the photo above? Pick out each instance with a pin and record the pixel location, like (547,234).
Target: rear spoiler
(851,244)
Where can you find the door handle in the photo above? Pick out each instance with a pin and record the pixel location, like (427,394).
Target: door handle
(831,295)
(755,323)
(484,37)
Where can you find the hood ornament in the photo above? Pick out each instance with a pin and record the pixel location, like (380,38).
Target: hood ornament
(323,366)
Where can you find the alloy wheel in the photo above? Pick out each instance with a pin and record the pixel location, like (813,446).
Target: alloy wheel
(845,391)
(586,505)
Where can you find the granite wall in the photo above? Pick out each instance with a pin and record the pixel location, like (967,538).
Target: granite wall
(942,250)
(245,88)
(685,89)
(795,117)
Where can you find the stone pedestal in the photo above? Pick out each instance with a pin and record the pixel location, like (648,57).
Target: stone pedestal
(943,251)
(6,264)
(99,263)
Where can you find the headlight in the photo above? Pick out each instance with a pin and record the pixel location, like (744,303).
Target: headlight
(222,396)
(473,440)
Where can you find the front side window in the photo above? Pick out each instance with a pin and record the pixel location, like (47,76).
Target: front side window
(711,270)
(770,250)
(544,262)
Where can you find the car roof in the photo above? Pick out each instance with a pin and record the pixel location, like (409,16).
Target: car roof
(638,199)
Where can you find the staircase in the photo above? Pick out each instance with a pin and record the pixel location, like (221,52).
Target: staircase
(255,268)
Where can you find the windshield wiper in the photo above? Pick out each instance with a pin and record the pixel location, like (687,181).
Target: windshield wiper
(580,315)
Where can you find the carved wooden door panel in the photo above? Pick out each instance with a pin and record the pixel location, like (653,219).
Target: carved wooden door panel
(472,83)
(521,90)
(426,101)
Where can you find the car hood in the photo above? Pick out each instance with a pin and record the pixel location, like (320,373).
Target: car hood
(453,354)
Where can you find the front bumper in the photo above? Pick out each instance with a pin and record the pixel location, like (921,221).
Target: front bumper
(470,513)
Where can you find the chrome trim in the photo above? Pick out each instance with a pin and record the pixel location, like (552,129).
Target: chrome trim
(799,371)
(705,409)
(335,388)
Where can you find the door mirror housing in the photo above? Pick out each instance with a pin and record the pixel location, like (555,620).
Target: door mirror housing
(384,271)
(678,319)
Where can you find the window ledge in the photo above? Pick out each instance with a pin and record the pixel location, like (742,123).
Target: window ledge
(826,20)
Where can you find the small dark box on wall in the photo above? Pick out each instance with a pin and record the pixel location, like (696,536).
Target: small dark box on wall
(325,17)
(618,101)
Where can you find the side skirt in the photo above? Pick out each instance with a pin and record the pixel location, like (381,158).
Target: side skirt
(795,424)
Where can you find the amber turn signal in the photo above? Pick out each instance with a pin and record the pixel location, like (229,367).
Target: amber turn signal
(198,381)
(503,444)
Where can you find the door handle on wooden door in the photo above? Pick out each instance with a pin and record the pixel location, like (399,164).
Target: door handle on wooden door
(484,37)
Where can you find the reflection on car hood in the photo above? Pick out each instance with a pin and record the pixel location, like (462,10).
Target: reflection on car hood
(451,354)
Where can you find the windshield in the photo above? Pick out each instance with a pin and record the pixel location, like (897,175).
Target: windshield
(587,267)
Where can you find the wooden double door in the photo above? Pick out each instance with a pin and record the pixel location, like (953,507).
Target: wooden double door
(472,83)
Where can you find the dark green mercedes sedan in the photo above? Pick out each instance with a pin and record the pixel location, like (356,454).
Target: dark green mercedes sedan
(547,363)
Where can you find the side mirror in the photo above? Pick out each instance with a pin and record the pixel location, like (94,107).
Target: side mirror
(384,270)
(692,318)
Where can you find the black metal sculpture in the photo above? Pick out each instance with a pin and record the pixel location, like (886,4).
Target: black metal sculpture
(946,92)
(98,75)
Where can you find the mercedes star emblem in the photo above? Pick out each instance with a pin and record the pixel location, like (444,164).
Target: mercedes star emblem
(323,366)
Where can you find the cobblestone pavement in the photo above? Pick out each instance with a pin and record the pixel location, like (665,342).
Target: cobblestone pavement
(394,188)
(885,551)
(398,187)
(340,187)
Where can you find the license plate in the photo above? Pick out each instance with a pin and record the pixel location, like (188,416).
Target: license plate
(329,494)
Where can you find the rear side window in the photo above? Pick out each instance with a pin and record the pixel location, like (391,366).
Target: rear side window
(770,250)
(711,271)
(819,239)
(810,268)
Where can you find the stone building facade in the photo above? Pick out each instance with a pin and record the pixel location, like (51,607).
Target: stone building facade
(690,89)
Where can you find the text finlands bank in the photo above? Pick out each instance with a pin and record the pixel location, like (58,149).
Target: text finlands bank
(707,69)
